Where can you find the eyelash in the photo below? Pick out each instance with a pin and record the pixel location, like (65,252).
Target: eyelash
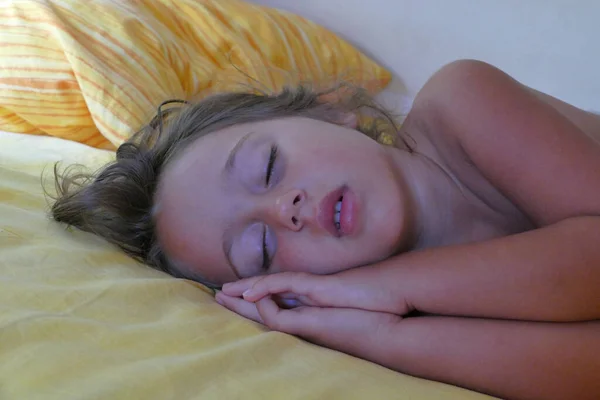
(270,164)
(266,264)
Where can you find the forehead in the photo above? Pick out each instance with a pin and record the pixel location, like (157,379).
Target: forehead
(208,154)
(217,145)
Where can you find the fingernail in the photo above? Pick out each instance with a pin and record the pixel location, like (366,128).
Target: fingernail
(247,293)
(219,300)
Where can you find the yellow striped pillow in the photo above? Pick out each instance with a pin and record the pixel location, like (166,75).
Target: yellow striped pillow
(94,71)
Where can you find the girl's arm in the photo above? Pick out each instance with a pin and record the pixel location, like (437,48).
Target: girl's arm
(546,161)
(508,359)
(549,274)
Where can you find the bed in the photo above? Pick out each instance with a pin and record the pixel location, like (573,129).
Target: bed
(80,320)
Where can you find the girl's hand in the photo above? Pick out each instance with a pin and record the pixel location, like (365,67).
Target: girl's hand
(292,289)
(317,290)
(361,333)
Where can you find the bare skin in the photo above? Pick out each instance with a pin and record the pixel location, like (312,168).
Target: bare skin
(508,238)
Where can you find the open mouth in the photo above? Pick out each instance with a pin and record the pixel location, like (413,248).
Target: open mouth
(337,210)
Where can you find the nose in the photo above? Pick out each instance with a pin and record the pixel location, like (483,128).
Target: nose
(288,209)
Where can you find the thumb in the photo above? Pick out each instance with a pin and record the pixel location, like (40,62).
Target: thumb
(303,321)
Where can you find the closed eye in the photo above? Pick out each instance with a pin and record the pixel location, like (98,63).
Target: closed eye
(266,263)
(270,164)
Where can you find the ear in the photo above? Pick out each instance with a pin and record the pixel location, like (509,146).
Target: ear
(349,120)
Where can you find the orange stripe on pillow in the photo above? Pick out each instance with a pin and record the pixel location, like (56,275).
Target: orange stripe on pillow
(110,63)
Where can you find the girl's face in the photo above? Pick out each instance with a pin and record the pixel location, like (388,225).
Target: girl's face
(291,194)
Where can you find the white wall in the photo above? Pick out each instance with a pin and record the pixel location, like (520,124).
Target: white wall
(551,45)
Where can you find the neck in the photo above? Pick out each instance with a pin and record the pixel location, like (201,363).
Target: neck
(429,194)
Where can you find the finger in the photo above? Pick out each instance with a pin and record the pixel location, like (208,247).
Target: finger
(307,322)
(239,306)
(297,283)
(347,330)
(237,288)
(287,302)
(269,313)
(284,300)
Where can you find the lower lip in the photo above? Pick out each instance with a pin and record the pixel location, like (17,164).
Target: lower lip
(349,213)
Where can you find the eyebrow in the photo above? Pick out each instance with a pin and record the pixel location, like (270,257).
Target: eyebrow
(230,163)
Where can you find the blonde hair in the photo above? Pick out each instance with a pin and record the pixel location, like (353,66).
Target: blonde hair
(117,202)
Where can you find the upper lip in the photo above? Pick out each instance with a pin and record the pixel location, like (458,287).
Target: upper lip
(326,211)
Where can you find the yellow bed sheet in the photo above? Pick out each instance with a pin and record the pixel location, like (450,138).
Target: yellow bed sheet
(79,320)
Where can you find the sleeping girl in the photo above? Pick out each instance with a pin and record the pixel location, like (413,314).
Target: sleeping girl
(466,249)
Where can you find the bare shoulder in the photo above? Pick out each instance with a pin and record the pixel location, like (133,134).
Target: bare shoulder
(537,151)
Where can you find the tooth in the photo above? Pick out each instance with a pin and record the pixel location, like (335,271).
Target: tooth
(338,206)
(336,218)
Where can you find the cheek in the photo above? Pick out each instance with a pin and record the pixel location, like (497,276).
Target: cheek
(319,256)
(342,154)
